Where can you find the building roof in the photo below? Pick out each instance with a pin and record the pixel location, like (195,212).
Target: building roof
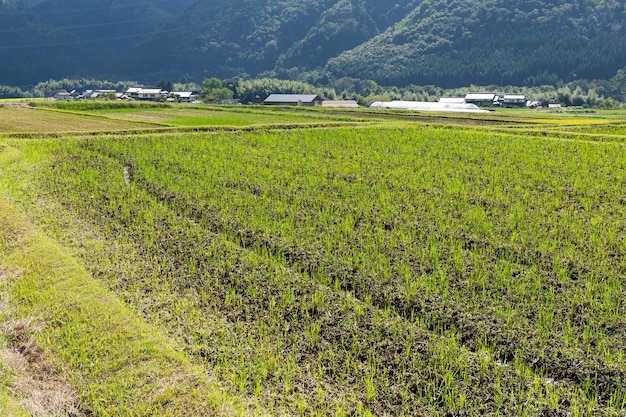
(150,91)
(183,94)
(480,96)
(514,97)
(291,98)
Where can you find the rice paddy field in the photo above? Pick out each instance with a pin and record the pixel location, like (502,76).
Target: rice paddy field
(182,261)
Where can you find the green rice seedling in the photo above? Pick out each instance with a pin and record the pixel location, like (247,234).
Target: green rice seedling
(438,256)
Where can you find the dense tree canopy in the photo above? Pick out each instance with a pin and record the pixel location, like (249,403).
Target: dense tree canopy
(213,90)
(610,93)
(448,43)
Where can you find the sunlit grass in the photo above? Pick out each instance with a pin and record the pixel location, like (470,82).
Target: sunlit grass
(23,119)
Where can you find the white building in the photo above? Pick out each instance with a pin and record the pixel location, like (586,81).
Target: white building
(184,96)
(141,93)
(428,106)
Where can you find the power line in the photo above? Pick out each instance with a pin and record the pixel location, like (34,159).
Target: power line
(84,41)
(34,9)
(116,22)
(93,25)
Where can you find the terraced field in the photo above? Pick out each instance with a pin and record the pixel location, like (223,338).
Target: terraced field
(19,118)
(323,263)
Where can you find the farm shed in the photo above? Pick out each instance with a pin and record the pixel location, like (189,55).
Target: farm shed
(482,99)
(293,100)
(63,96)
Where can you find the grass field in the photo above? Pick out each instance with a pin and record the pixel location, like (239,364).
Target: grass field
(19,118)
(316,262)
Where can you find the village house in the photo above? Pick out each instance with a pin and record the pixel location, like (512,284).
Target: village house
(183,96)
(482,99)
(514,100)
(132,92)
(148,94)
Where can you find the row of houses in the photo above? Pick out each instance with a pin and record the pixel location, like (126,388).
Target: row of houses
(305,100)
(156,94)
(492,99)
(471,99)
(133,93)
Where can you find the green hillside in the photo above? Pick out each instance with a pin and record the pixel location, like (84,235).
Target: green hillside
(485,42)
(446,43)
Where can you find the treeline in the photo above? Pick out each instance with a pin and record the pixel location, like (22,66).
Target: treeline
(12,92)
(598,93)
(51,87)
(609,93)
(247,90)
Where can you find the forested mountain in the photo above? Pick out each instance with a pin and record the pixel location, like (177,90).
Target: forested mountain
(452,42)
(42,39)
(442,42)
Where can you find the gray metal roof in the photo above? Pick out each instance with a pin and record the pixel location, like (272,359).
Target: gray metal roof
(291,98)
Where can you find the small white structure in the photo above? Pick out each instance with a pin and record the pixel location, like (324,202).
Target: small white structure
(428,106)
(62,96)
(184,96)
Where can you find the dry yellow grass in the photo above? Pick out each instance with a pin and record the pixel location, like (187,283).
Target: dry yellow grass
(21,118)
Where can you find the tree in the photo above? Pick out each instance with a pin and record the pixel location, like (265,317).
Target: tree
(213,90)
(166,85)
